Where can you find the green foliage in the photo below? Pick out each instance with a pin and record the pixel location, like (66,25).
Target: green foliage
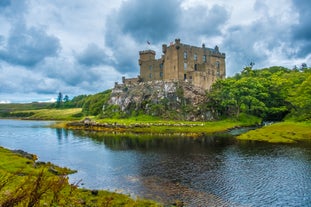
(270,93)
(93,104)
(301,100)
(112,111)
(78,101)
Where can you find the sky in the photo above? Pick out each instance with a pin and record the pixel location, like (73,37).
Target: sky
(83,47)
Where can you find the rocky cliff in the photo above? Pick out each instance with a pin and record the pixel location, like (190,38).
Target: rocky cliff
(174,100)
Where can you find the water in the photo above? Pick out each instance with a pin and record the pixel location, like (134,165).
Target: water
(211,171)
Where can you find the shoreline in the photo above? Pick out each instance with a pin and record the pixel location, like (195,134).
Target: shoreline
(184,128)
(20,171)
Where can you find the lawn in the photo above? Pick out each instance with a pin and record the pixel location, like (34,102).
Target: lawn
(283,132)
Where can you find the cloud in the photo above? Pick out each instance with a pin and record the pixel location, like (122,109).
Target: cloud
(29,46)
(135,23)
(266,39)
(200,20)
(93,55)
(302,30)
(149,19)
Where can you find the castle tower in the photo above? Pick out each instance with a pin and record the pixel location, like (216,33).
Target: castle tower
(150,68)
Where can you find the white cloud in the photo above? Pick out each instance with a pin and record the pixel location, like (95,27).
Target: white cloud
(4,102)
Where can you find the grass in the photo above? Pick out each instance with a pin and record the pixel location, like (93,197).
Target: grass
(283,132)
(151,125)
(24,182)
(51,114)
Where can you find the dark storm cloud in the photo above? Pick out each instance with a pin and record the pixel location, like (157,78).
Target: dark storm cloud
(28,47)
(302,31)
(202,20)
(93,55)
(149,19)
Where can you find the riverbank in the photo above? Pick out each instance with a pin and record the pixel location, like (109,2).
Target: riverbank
(25,181)
(160,127)
(282,132)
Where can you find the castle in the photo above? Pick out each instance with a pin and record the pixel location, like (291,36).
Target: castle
(201,66)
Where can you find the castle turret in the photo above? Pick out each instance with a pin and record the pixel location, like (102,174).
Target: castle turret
(146,55)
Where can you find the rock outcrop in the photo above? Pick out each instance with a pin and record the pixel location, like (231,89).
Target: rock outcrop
(177,100)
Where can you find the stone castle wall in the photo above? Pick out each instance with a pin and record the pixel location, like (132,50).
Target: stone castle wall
(200,66)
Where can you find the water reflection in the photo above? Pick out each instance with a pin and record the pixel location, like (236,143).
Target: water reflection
(156,142)
(216,169)
(207,171)
(62,133)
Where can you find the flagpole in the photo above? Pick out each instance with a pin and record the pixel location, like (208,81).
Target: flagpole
(148,45)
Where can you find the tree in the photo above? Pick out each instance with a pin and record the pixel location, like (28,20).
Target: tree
(262,93)
(66,98)
(59,100)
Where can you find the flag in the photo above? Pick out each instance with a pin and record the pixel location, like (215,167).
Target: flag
(148,42)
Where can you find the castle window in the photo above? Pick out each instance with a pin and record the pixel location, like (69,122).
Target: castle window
(161,74)
(150,67)
(185,55)
(161,65)
(218,72)
(204,58)
(185,66)
(185,76)
(217,64)
(190,77)
(150,75)
(195,67)
(195,57)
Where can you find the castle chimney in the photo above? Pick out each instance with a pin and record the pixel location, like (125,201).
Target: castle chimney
(177,42)
(164,47)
